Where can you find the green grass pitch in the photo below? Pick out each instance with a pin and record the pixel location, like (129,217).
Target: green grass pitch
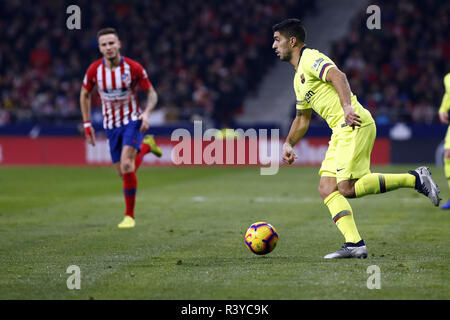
(188,242)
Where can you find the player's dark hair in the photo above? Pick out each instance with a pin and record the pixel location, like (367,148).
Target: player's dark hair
(104,31)
(291,28)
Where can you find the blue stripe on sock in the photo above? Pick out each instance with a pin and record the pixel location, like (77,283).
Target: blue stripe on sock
(382,182)
(129,192)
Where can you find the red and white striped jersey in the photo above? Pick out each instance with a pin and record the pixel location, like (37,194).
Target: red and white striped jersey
(118,90)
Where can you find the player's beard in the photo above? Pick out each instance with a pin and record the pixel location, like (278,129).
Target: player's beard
(113,58)
(287,57)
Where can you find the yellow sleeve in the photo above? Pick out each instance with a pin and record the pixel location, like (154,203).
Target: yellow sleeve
(316,64)
(300,103)
(445,105)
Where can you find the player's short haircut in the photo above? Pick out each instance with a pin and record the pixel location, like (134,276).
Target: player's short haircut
(291,28)
(104,31)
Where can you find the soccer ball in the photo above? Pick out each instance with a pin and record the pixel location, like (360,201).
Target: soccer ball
(261,238)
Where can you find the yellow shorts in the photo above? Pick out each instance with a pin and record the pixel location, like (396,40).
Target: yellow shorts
(447,139)
(348,154)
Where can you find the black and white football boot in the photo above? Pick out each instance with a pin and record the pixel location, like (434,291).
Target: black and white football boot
(426,185)
(350,250)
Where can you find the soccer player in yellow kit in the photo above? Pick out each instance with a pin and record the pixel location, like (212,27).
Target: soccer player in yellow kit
(443,116)
(345,172)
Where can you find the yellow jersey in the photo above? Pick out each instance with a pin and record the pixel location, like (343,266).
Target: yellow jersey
(313,91)
(445,105)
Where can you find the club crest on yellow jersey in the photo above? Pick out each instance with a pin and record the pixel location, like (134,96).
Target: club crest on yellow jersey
(302,78)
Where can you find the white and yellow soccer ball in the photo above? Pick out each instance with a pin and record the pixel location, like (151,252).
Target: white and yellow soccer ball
(261,238)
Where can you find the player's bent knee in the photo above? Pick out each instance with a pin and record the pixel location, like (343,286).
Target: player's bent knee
(325,190)
(346,190)
(126,166)
(447,153)
(117,166)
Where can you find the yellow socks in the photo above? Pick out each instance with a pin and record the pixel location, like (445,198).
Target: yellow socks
(447,170)
(342,215)
(374,183)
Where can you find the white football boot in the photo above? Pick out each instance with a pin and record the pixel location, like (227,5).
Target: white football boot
(350,250)
(426,185)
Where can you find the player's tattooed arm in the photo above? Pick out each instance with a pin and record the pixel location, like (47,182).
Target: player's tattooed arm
(299,126)
(298,129)
(152,100)
(340,83)
(85,105)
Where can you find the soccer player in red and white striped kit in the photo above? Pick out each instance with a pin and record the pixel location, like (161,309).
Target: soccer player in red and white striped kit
(117,79)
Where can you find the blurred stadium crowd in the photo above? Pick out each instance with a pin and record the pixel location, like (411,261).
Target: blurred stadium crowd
(397,72)
(204,57)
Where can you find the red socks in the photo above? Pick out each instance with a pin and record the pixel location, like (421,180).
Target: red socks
(138,161)
(129,191)
(130,181)
(145,148)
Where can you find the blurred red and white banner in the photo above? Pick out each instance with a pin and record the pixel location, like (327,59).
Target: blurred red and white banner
(75,151)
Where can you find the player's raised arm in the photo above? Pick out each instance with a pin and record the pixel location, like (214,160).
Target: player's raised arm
(152,100)
(85,104)
(298,129)
(340,83)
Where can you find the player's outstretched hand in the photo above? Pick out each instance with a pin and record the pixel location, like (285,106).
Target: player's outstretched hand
(288,153)
(89,133)
(145,125)
(443,116)
(351,118)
